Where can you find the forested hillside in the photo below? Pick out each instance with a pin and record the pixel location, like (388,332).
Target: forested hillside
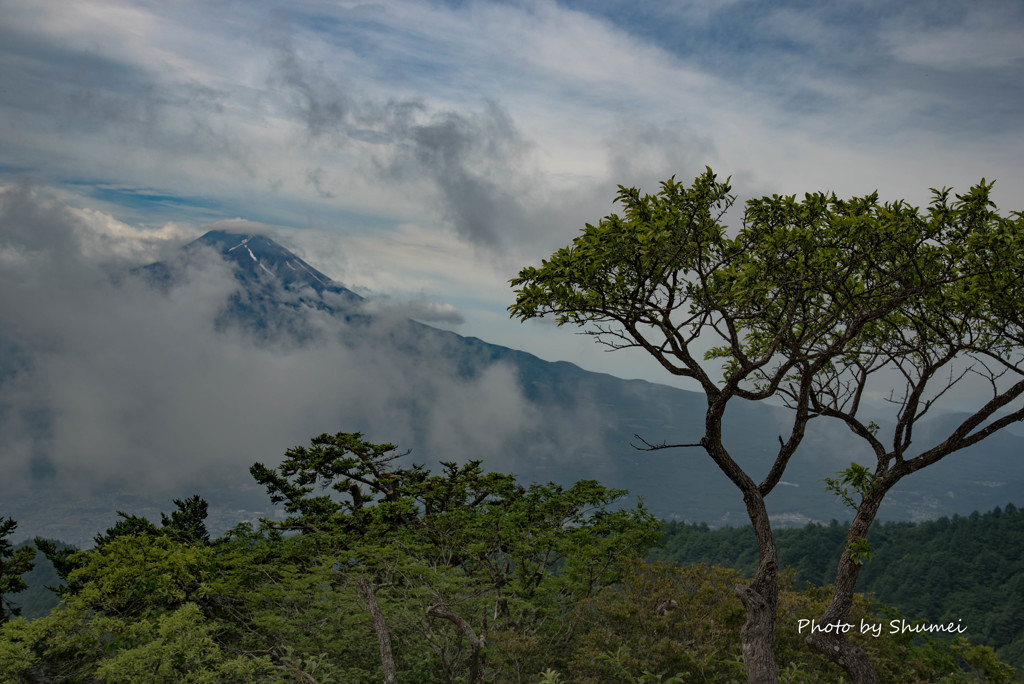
(962,568)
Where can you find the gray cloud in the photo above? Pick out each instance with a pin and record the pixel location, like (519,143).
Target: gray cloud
(324,105)
(475,161)
(645,154)
(318,179)
(420,309)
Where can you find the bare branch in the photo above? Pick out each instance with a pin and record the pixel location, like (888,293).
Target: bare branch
(655,447)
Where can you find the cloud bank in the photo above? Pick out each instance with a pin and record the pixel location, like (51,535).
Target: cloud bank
(110,387)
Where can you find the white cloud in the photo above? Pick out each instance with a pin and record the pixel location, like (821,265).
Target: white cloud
(986,40)
(109,385)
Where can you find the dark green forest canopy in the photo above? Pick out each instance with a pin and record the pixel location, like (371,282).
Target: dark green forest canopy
(465,571)
(14,563)
(968,568)
(216,608)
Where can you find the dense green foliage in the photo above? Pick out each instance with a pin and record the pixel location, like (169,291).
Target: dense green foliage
(965,568)
(636,634)
(385,573)
(474,577)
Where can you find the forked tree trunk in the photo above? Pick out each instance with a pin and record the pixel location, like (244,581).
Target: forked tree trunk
(760,597)
(369,593)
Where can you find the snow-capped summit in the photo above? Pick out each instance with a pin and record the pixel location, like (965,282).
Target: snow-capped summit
(276,288)
(259,263)
(258,257)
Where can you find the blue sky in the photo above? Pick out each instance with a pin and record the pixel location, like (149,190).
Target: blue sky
(426,151)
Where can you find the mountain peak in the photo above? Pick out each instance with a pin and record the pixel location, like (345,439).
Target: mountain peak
(265,269)
(257,257)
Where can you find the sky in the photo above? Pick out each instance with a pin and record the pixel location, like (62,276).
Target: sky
(428,151)
(421,153)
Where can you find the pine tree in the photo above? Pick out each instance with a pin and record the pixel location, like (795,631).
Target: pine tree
(13,564)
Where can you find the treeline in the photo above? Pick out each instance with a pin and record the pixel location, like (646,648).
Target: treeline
(969,569)
(384,573)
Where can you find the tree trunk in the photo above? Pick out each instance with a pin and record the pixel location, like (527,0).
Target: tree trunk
(834,646)
(760,600)
(476,644)
(369,594)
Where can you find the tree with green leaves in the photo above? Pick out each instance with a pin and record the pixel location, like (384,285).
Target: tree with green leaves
(485,560)
(814,302)
(379,571)
(187,524)
(13,564)
(135,607)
